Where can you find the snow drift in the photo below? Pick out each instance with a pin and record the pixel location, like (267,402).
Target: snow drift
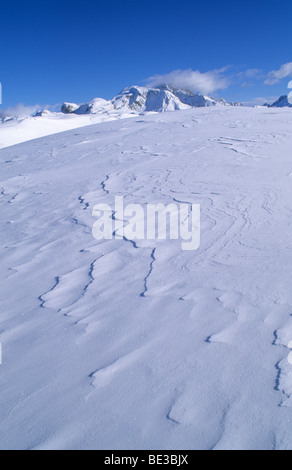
(112,345)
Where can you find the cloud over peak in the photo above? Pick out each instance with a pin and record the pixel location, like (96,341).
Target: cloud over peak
(194,80)
(212,81)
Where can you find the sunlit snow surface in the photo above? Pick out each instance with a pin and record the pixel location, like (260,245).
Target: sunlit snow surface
(22,129)
(111,346)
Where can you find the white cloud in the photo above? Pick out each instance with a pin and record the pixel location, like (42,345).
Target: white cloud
(276,76)
(20,110)
(253,73)
(193,80)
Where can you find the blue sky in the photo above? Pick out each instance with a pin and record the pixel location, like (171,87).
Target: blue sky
(55,51)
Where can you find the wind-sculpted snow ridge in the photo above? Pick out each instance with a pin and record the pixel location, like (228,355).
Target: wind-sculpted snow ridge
(16,130)
(139,345)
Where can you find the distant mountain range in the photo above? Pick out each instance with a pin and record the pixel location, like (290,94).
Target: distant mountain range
(17,127)
(134,101)
(142,99)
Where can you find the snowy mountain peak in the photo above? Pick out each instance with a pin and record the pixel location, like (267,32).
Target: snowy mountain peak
(148,99)
(282,102)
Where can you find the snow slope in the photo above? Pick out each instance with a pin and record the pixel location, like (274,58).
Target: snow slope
(107,345)
(22,129)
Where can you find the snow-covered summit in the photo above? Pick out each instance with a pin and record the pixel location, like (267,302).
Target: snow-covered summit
(144,99)
(282,102)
